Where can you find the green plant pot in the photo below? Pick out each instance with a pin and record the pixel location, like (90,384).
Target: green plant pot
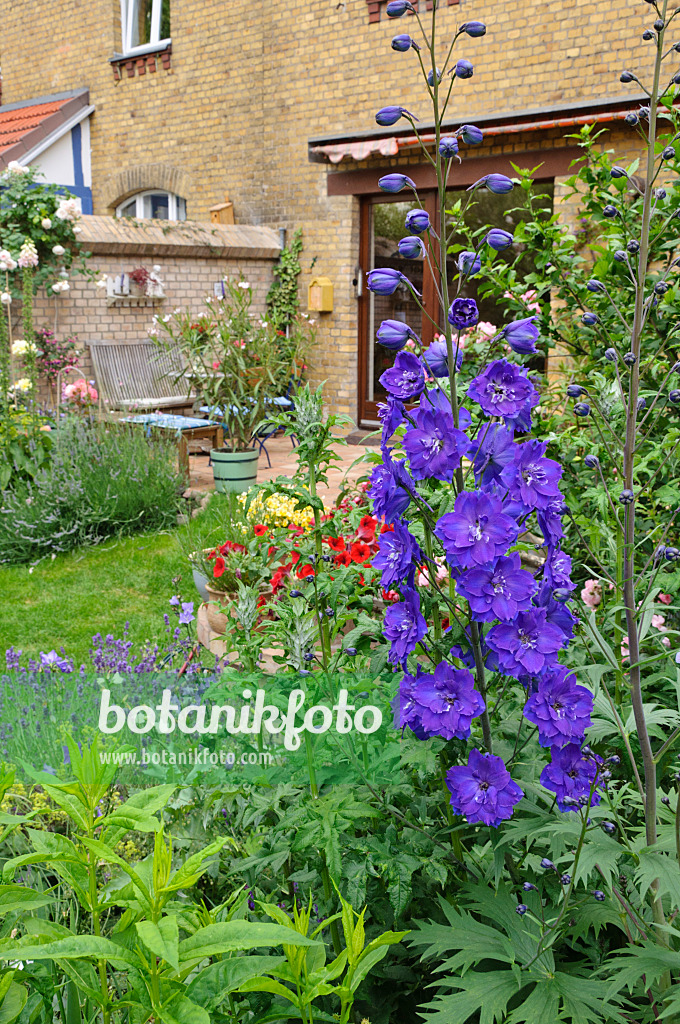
(234,471)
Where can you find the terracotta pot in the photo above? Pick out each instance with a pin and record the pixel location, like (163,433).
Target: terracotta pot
(218,620)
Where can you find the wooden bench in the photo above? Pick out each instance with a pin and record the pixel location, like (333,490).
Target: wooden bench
(139,376)
(183,429)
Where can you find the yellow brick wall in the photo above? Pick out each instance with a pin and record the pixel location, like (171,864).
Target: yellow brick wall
(250,83)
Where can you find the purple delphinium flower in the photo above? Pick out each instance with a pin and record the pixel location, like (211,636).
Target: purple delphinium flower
(397,554)
(403,705)
(466,654)
(445,703)
(394,334)
(500,184)
(390,115)
(557,570)
(531,478)
(395,182)
(463,313)
(417,221)
(550,521)
(560,708)
(521,422)
(385,281)
(391,415)
(497,591)
(406,379)
(469,263)
(436,356)
(404,627)
(477,531)
(570,776)
(483,791)
(490,452)
(391,488)
(557,613)
(527,645)
(434,446)
(187,614)
(499,239)
(501,389)
(521,335)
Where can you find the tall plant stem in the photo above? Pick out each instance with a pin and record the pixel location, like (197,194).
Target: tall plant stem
(629,601)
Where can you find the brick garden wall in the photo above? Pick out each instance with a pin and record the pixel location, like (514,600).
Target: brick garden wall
(247,83)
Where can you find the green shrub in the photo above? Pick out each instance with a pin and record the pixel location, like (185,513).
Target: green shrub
(101,480)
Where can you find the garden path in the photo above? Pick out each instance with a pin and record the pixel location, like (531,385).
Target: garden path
(284,463)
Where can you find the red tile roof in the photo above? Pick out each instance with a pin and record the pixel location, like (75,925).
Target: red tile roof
(14,124)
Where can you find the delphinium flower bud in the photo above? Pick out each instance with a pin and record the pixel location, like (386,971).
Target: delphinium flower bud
(565,879)
(598,895)
(448,147)
(308,656)
(575,391)
(470,134)
(521,909)
(626,497)
(384,281)
(609,827)
(395,182)
(660,287)
(618,172)
(463,313)
(610,355)
(595,286)
(464,69)
(591,461)
(474,28)
(351,651)
(614,759)
(674,396)
(659,24)
(390,115)
(582,409)
(647,35)
(430,77)
(562,595)
(676,47)
(530,887)
(402,43)
(296,593)
(643,113)
(393,334)
(330,613)
(671,554)
(626,76)
(620,256)
(610,211)
(660,193)
(411,247)
(675,368)
(632,119)
(641,404)
(547,864)
(499,184)
(669,153)
(589,319)
(499,239)
(469,263)
(417,221)
(665,800)
(630,359)
(397,8)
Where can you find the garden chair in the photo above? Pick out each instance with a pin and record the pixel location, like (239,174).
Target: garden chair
(139,376)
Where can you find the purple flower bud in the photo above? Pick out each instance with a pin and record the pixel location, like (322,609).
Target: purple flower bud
(671,554)
(296,593)
(384,281)
(632,119)
(463,313)
(660,287)
(521,909)
(499,184)
(627,497)
(430,77)
(609,827)
(403,43)
(547,864)
(397,8)
(614,759)
(499,239)
(530,887)
(394,334)
(411,247)
(417,221)
(641,404)
(630,359)
(589,319)
(610,355)
(464,69)
(582,409)
(522,335)
(660,193)
(395,182)
(565,879)
(674,396)
(469,263)
(470,134)
(620,256)
(665,800)
(675,368)
(448,147)
(598,895)
(647,35)
(659,24)
(626,76)
(591,461)
(575,391)
(474,28)
(610,211)
(618,172)
(390,115)
(351,651)
(595,286)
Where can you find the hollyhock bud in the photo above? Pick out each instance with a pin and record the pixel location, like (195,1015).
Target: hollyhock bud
(499,239)
(384,281)
(390,115)
(626,76)
(417,221)
(610,355)
(448,147)
(629,359)
(582,409)
(464,69)
(618,172)
(521,909)
(470,134)
(674,396)
(610,211)
(575,391)
(411,247)
(469,263)
(394,334)
(595,286)
(632,119)
(589,319)
(627,497)
(403,43)
(395,182)
(499,184)
(591,461)
(474,28)
(398,8)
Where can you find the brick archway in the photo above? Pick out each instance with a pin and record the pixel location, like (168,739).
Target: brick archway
(139,178)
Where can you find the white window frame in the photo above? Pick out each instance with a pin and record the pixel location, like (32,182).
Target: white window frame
(173,204)
(127,13)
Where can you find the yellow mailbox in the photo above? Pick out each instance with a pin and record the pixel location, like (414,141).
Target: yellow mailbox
(320,295)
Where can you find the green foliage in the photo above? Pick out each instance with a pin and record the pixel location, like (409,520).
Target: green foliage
(283,301)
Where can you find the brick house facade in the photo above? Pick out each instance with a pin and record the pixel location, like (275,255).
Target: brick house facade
(261,100)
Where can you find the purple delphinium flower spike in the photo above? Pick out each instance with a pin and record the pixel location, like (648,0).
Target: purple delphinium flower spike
(406,379)
(433,445)
(483,791)
(531,478)
(490,452)
(391,488)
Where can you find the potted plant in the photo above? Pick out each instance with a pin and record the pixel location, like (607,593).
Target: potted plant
(224,567)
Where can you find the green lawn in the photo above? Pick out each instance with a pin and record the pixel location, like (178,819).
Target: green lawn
(97,589)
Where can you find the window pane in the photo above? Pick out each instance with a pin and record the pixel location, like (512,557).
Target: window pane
(140,13)
(165,20)
(181,209)
(157,206)
(129,210)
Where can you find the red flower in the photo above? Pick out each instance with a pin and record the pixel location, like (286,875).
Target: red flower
(295,557)
(260,530)
(387,528)
(219,567)
(305,571)
(390,595)
(261,600)
(360,552)
(343,558)
(367,527)
(212,554)
(335,543)
(230,545)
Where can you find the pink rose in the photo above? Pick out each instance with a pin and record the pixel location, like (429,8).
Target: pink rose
(591,595)
(664,598)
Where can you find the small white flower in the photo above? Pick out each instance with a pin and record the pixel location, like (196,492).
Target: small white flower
(21,347)
(23,384)
(14,167)
(77,229)
(5,298)
(58,250)
(244,284)
(46,223)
